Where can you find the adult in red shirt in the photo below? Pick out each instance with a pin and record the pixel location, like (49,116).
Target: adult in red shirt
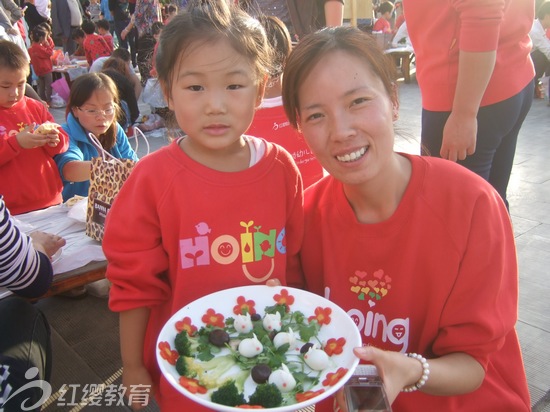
(475,74)
(418,251)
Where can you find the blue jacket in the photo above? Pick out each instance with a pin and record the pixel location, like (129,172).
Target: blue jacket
(80,148)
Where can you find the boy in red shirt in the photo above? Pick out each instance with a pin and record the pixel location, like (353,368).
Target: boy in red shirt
(383,23)
(30,178)
(94,44)
(41,52)
(103,30)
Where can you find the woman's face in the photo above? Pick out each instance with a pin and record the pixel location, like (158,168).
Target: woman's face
(97,114)
(346,116)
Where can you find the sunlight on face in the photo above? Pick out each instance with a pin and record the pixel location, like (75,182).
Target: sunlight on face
(214,94)
(346,116)
(12,86)
(100,101)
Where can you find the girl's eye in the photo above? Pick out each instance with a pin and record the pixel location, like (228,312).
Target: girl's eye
(195,88)
(234,87)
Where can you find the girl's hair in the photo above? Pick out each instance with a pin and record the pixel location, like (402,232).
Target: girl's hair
(37,33)
(281,43)
(81,91)
(12,57)
(386,7)
(209,21)
(310,52)
(117,64)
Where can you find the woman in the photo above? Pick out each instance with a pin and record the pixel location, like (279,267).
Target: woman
(418,250)
(119,71)
(93,107)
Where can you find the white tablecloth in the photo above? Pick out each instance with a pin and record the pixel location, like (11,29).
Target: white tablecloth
(69,223)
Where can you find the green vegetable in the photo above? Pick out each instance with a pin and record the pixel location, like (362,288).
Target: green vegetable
(228,394)
(210,374)
(196,345)
(266,395)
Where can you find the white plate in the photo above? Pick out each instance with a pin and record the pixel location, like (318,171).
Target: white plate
(223,302)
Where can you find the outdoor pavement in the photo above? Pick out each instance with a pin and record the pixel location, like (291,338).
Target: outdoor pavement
(85,332)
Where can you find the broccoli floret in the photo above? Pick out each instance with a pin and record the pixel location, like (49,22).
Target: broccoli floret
(228,394)
(266,395)
(211,373)
(186,345)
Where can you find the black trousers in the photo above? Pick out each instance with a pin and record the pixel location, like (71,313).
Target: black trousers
(25,355)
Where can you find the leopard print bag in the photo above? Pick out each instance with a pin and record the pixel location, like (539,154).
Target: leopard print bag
(108,176)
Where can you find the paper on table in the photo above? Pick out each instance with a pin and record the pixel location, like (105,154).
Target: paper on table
(63,221)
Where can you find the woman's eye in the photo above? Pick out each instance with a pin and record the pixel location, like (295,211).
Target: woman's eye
(359,100)
(314,116)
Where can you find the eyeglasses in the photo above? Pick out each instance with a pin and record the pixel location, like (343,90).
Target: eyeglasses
(96,113)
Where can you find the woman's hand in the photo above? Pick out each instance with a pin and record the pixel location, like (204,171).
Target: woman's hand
(131,378)
(47,243)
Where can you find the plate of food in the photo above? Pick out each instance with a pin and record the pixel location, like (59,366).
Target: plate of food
(277,348)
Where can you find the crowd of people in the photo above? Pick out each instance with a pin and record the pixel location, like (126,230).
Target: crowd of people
(290,126)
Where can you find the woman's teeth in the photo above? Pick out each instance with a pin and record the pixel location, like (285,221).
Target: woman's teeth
(350,157)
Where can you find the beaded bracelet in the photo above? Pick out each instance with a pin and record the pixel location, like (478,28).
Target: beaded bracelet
(425,373)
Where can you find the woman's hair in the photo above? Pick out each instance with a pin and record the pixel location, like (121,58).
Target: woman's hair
(310,52)
(81,91)
(281,43)
(157,27)
(12,57)
(207,22)
(117,64)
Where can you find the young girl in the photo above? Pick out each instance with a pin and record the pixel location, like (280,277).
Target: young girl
(271,121)
(40,53)
(174,231)
(419,251)
(29,178)
(92,108)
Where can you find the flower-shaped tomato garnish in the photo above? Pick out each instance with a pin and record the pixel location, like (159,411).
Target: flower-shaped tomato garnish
(322,315)
(333,377)
(167,353)
(335,346)
(304,396)
(244,306)
(213,319)
(284,299)
(192,385)
(186,325)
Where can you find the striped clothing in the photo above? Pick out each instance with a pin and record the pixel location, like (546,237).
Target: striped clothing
(23,270)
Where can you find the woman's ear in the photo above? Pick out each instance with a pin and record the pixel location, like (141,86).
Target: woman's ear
(395,102)
(261,91)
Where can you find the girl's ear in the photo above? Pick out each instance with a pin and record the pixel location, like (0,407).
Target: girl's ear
(261,91)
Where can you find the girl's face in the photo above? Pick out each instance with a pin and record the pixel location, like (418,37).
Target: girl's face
(12,86)
(346,116)
(98,113)
(214,95)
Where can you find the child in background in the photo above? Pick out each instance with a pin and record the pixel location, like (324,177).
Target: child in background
(215,181)
(41,52)
(270,120)
(103,28)
(92,108)
(94,45)
(171,10)
(156,29)
(30,179)
(383,23)
(78,36)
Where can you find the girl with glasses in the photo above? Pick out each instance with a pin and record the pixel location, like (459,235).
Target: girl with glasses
(92,108)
